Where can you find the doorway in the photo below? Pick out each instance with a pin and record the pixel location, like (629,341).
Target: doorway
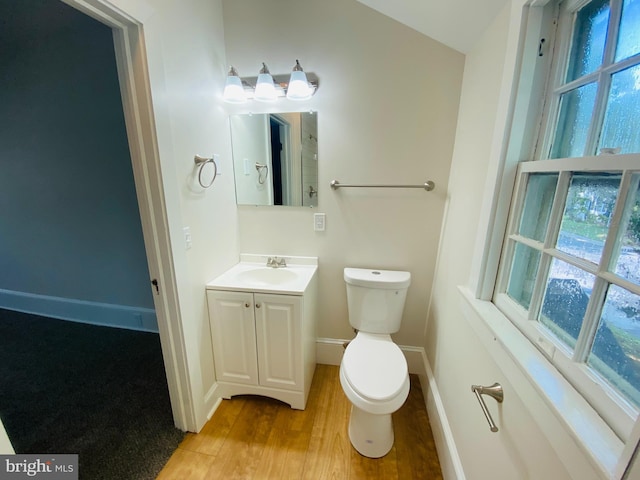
(280,131)
(131,59)
(136,101)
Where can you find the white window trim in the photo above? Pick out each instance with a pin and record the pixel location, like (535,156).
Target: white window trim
(605,451)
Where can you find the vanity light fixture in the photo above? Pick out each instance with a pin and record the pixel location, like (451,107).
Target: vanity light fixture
(265,89)
(297,86)
(233,88)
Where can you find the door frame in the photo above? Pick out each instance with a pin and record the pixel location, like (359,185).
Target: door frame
(135,88)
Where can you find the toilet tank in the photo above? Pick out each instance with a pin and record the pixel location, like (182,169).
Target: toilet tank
(375,298)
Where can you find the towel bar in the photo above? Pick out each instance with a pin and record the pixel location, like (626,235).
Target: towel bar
(428,185)
(494,391)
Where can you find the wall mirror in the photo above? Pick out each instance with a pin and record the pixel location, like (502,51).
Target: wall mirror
(275,158)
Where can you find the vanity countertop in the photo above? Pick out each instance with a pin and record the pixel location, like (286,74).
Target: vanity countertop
(253,275)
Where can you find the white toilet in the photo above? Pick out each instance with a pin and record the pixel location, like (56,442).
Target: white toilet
(373,372)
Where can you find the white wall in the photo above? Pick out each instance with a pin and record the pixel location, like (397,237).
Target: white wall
(387,105)
(460,352)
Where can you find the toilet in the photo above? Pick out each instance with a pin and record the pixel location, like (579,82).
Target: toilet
(373,371)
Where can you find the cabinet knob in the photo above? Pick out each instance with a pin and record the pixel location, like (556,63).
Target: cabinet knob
(247,305)
(257,305)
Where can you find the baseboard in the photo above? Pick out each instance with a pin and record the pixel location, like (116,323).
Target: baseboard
(329,351)
(215,406)
(450,462)
(95,313)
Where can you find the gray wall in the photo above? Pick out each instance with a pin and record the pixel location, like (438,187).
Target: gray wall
(69,221)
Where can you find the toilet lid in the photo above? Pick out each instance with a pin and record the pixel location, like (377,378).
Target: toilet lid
(375,368)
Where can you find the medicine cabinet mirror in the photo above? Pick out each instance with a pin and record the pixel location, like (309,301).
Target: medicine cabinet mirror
(275,158)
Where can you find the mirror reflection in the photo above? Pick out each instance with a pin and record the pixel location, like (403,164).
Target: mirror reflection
(275,158)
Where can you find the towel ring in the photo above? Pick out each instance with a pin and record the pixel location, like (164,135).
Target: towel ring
(201,162)
(262,168)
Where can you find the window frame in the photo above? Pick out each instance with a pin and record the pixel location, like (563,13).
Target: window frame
(557,85)
(519,124)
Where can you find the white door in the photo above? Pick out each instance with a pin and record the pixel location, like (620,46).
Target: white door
(278,334)
(233,336)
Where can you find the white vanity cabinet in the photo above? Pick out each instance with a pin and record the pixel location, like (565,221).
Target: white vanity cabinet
(263,342)
(257,338)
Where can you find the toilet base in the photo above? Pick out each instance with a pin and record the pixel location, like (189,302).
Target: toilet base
(371,435)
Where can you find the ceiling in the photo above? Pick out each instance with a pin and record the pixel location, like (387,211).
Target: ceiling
(456,23)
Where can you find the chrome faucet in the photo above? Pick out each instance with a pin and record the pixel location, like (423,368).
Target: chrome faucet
(275,262)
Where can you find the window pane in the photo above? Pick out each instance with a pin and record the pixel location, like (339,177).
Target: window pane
(616,348)
(523,274)
(626,263)
(541,189)
(589,34)
(587,213)
(576,108)
(565,300)
(622,119)
(629,34)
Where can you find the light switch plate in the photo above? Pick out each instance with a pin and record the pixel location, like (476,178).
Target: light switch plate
(319,222)
(187,238)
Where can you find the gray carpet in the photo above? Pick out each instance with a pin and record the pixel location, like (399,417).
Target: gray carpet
(99,392)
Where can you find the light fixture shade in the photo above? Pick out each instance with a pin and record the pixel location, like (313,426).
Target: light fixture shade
(265,89)
(298,88)
(233,89)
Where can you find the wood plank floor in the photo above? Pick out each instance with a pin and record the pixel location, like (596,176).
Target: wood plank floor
(251,437)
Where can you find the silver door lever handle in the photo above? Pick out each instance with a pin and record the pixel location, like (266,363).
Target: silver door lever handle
(494,391)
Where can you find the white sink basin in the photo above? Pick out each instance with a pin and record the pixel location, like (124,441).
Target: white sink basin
(268,276)
(252,275)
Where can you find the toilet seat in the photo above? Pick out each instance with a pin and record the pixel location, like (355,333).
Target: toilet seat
(375,368)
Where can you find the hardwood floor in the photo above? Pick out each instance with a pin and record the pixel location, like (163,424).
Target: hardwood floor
(252,437)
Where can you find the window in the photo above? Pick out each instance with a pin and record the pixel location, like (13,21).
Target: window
(570,269)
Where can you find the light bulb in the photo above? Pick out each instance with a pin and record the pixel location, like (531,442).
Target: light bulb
(298,88)
(233,89)
(265,89)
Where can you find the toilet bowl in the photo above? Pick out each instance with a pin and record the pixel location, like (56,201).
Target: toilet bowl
(375,379)
(373,372)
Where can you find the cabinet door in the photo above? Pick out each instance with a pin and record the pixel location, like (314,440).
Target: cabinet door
(234,336)
(278,334)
